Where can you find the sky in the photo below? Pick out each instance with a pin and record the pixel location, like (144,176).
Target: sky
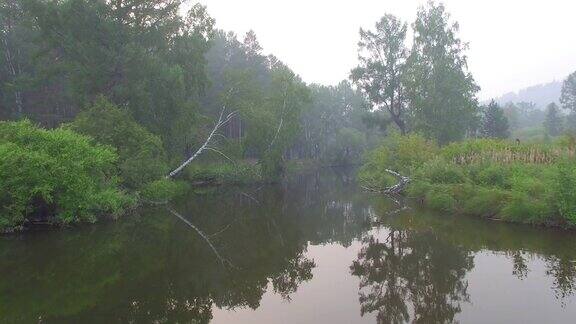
(513,43)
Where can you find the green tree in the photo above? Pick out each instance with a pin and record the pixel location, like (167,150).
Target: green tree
(382,55)
(143,55)
(513,115)
(277,122)
(553,122)
(141,155)
(336,112)
(269,98)
(568,96)
(494,122)
(17,51)
(570,124)
(441,91)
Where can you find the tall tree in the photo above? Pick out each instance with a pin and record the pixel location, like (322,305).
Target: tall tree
(382,56)
(267,95)
(553,122)
(333,129)
(441,90)
(511,112)
(568,96)
(494,122)
(17,48)
(142,55)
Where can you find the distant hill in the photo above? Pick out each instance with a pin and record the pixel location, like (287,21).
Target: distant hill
(541,94)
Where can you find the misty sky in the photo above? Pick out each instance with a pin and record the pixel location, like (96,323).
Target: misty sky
(513,43)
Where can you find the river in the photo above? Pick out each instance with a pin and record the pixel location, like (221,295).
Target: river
(314,249)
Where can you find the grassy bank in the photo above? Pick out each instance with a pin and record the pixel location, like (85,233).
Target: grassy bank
(523,183)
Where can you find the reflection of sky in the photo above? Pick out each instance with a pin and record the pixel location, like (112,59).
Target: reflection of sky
(499,297)
(330,297)
(496,295)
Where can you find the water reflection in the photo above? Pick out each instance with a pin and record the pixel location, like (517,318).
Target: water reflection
(152,267)
(412,271)
(418,273)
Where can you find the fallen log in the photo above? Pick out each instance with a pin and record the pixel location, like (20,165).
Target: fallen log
(395,189)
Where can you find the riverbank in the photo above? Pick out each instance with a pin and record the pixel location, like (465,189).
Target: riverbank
(61,177)
(494,179)
(288,243)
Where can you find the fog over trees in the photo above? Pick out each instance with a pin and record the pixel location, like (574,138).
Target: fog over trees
(228,181)
(159,89)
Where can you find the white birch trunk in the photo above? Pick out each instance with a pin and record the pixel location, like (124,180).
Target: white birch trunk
(12,71)
(222,120)
(281,120)
(395,189)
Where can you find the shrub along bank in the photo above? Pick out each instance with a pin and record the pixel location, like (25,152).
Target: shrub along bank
(97,166)
(497,179)
(55,176)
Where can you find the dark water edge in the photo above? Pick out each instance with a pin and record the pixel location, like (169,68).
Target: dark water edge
(313,249)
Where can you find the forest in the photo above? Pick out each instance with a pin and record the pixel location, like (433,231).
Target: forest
(102,99)
(107,105)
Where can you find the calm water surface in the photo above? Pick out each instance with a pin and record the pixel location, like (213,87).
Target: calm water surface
(315,249)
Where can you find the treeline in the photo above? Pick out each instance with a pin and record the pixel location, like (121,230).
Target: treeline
(427,88)
(141,85)
(172,73)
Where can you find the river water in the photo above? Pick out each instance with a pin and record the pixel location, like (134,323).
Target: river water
(315,249)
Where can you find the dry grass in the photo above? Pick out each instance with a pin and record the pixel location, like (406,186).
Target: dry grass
(509,156)
(504,152)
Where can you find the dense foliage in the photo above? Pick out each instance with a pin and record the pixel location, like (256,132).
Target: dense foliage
(494,123)
(149,79)
(381,72)
(440,89)
(141,155)
(553,124)
(54,176)
(334,128)
(427,88)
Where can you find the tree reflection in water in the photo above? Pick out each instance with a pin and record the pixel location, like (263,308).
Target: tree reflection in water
(563,270)
(411,275)
(154,268)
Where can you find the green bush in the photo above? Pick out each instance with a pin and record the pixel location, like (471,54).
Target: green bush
(522,208)
(564,190)
(142,158)
(162,191)
(418,189)
(440,198)
(485,202)
(491,175)
(224,173)
(439,171)
(404,154)
(54,175)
